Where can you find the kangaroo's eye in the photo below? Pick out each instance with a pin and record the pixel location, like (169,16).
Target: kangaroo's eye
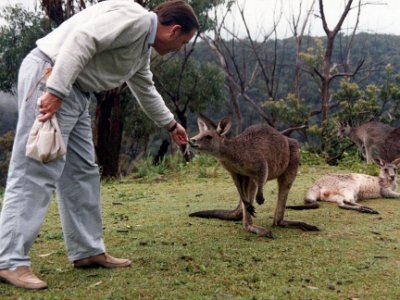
(208,137)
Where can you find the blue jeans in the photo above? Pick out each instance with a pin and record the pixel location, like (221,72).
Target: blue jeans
(31,184)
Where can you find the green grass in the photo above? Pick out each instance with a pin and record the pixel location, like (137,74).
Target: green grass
(354,256)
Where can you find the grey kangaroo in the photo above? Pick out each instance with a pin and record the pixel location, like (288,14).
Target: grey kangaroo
(390,149)
(260,153)
(347,189)
(368,137)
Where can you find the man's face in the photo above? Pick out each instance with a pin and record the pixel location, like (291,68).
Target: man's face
(172,39)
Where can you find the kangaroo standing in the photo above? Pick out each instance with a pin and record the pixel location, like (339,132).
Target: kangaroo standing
(347,189)
(390,149)
(369,137)
(258,154)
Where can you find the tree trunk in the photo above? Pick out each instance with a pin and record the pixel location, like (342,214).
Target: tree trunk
(162,151)
(109,132)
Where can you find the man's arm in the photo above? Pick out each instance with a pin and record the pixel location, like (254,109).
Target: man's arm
(142,87)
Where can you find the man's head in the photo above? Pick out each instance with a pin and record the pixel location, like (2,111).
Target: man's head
(177,24)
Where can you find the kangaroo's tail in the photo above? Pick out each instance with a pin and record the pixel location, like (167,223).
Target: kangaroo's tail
(312,205)
(230,215)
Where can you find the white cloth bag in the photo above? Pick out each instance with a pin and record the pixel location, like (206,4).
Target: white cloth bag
(45,142)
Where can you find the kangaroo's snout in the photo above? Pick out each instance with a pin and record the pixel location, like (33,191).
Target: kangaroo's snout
(192,143)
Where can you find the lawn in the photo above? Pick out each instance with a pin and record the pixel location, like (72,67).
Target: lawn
(354,256)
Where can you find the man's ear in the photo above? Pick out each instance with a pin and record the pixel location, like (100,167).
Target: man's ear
(175,30)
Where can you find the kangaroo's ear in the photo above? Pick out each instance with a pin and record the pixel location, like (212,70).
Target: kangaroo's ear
(224,125)
(380,162)
(210,123)
(396,162)
(202,125)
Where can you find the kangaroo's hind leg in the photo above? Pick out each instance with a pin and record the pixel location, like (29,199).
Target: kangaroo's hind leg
(285,182)
(251,192)
(355,206)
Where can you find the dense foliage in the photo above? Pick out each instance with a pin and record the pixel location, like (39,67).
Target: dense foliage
(17,38)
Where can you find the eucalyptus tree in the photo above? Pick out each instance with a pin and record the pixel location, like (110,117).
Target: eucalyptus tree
(328,70)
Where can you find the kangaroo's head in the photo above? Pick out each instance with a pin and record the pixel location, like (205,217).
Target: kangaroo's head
(210,137)
(344,129)
(388,171)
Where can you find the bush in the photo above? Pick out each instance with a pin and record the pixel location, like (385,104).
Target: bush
(309,158)
(351,161)
(145,168)
(204,165)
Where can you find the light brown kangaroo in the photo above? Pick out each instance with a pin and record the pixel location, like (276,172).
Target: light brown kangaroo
(347,189)
(258,154)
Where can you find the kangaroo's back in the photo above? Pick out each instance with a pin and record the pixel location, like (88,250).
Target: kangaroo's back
(258,143)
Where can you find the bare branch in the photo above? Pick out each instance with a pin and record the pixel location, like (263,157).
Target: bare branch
(360,63)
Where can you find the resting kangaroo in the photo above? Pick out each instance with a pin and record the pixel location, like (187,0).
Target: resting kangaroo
(347,189)
(258,154)
(369,137)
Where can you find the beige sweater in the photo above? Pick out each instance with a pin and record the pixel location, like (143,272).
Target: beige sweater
(102,47)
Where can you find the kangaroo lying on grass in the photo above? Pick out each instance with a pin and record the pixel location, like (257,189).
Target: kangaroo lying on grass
(258,154)
(347,189)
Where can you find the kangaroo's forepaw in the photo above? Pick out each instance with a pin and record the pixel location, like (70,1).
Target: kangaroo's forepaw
(251,210)
(260,198)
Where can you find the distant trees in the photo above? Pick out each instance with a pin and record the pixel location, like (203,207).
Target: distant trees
(258,70)
(17,38)
(190,87)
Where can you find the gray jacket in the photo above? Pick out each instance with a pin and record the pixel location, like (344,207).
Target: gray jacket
(102,47)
